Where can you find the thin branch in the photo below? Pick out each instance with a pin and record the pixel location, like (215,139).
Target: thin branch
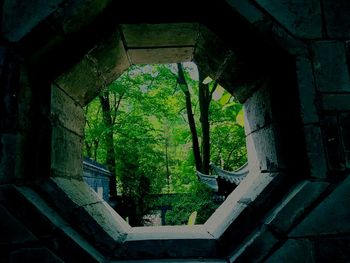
(116,107)
(229,155)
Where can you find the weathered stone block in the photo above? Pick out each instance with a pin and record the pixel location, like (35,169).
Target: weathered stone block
(11,230)
(293,251)
(34,255)
(20,17)
(256,187)
(295,204)
(66,112)
(69,194)
(315,151)
(344,121)
(337,18)
(179,244)
(307,90)
(160,55)
(83,76)
(263,151)
(160,35)
(218,223)
(256,247)
(66,153)
(168,241)
(333,143)
(336,102)
(330,64)
(301,18)
(102,224)
(257,110)
(332,216)
(233,217)
(111,60)
(102,65)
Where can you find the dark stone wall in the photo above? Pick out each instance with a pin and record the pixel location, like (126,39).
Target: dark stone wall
(54,57)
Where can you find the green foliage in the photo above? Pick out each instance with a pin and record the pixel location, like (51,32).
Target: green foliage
(149,120)
(198,198)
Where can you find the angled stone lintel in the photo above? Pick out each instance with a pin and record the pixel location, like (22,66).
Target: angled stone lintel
(236,202)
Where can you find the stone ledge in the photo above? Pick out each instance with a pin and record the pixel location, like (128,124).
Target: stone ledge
(200,260)
(246,193)
(168,248)
(168,232)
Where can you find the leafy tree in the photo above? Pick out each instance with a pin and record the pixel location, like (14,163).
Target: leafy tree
(147,122)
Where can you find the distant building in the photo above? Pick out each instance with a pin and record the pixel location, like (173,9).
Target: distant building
(224,182)
(97,177)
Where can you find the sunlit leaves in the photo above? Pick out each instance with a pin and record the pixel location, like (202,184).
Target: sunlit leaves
(240,118)
(149,113)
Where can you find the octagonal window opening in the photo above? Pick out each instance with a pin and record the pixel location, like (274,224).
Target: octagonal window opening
(269,125)
(159,118)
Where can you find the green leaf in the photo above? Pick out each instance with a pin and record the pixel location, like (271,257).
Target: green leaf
(192,219)
(225,98)
(240,118)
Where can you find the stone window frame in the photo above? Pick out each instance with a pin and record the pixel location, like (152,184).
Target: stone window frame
(104,227)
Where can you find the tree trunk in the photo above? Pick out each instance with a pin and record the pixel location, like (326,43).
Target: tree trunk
(166,137)
(110,157)
(204,100)
(195,144)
